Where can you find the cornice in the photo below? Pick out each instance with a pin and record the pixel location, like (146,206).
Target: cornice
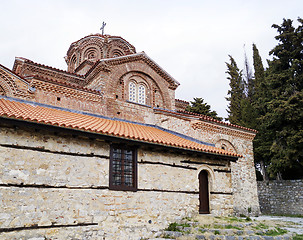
(199,118)
(210,127)
(207,118)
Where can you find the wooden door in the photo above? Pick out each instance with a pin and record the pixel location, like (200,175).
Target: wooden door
(203,192)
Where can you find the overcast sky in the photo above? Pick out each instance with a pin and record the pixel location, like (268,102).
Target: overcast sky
(190,39)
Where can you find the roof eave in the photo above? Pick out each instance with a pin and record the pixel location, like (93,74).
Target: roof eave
(109,137)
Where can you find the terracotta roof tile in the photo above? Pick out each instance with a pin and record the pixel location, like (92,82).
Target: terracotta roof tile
(14,109)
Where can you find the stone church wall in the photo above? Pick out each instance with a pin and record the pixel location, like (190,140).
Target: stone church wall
(243,172)
(55,186)
(281,197)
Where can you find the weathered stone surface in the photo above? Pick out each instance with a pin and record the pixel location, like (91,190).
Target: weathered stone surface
(47,180)
(281,197)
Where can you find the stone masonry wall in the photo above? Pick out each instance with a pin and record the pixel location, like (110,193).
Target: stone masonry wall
(244,184)
(56,187)
(281,197)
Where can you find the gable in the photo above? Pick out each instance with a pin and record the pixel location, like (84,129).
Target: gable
(13,86)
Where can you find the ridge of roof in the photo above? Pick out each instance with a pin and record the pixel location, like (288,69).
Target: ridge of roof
(41,113)
(65,84)
(14,74)
(82,65)
(51,68)
(205,118)
(180,100)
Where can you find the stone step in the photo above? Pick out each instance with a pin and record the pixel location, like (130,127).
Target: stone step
(214,230)
(218,234)
(179,235)
(224,231)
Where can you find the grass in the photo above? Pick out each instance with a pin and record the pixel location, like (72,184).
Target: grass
(298,237)
(167,236)
(236,219)
(174,227)
(275,232)
(201,230)
(233,227)
(261,226)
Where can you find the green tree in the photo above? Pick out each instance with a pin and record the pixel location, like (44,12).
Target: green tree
(263,139)
(283,118)
(200,107)
(259,76)
(236,92)
(248,111)
(248,80)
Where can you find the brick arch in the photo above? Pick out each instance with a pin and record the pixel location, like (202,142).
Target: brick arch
(97,48)
(211,175)
(138,79)
(226,145)
(118,46)
(2,92)
(79,50)
(146,80)
(142,68)
(7,84)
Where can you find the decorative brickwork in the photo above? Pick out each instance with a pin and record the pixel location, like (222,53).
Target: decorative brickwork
(96,47)
(209,127)
(181,104)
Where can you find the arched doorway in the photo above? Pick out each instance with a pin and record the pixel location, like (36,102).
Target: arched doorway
(203,192)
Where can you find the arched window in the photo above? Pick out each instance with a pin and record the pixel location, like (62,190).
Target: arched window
(73,63)
(132,92)
(141,94)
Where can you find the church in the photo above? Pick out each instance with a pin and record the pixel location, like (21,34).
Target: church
(104,150)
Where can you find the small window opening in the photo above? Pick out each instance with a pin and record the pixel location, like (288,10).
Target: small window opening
(58,99)
(123,168)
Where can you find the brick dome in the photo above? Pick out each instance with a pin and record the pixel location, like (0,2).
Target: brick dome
(95,47)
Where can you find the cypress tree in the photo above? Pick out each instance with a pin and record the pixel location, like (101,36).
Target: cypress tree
(259,75)
(263,139)
(236,92)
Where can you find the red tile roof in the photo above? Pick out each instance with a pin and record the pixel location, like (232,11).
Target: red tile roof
(13,109)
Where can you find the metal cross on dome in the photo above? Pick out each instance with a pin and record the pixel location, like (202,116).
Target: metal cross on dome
(102,28)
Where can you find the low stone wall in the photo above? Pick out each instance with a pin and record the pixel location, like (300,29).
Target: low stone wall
(281,197)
